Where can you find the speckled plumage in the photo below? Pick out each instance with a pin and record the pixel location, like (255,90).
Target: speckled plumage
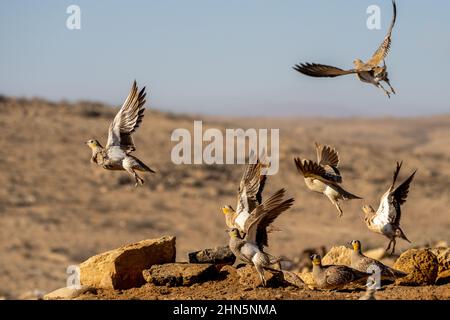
(386,220)
(250,204)
(117,153)
(324,176)
(369,72)
(250,249)
(335,277)
(365,264)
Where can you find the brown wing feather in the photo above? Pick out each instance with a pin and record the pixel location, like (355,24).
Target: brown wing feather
(321,70)
(263,215)
(327,155)
(399,196)
(311,169)
(395,176)
(252,183)
(385,47)
(127,120)
(268,219)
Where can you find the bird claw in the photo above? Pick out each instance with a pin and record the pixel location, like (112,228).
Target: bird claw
(139,181)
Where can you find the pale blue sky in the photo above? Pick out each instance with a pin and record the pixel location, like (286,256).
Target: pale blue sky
(230,57)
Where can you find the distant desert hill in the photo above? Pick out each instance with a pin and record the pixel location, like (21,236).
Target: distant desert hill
(57,208)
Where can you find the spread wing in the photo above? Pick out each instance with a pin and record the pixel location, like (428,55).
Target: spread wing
(328,157)
(400,194)
(127,120)
(251,187)
(385,47)
(321,70)
(389,210)
(311,169)
(264,215)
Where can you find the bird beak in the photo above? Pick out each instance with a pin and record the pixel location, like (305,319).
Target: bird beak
(86,142)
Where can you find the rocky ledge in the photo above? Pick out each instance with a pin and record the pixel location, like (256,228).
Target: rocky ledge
(147,270)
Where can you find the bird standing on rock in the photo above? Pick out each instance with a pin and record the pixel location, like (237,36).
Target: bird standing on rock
(117,153)
(386,220)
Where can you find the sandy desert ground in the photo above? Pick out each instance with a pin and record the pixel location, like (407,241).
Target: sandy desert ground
(58,209)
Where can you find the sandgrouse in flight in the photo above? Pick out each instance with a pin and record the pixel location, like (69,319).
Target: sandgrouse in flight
(117,153)
(369,72)
(386,220)
(324,177)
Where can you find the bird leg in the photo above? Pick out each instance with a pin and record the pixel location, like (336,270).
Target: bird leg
(389,246)
(393,247)
(341,213)
(137,179)
(389,84)
(260,271)
(385,91)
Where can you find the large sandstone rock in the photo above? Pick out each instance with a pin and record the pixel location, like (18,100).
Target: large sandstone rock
(338,256)
(443,256)
(218,255)
(67,293)
(248,277)
(180,274)
(443,277)
(421,265)
(122,268)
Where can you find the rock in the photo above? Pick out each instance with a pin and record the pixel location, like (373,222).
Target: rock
(68,293)
(248,277)
(376,254)
(122,268)
(308,279)
(218,255)
(443,277)
(443,256)
(421,265)
(180,274)
(338,256)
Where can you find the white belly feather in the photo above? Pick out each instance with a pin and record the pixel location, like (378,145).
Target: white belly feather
(241,219)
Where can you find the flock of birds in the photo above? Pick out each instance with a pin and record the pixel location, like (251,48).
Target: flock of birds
(251,222)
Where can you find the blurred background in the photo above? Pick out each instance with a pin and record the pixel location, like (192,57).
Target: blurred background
(228,63)
(227,58)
